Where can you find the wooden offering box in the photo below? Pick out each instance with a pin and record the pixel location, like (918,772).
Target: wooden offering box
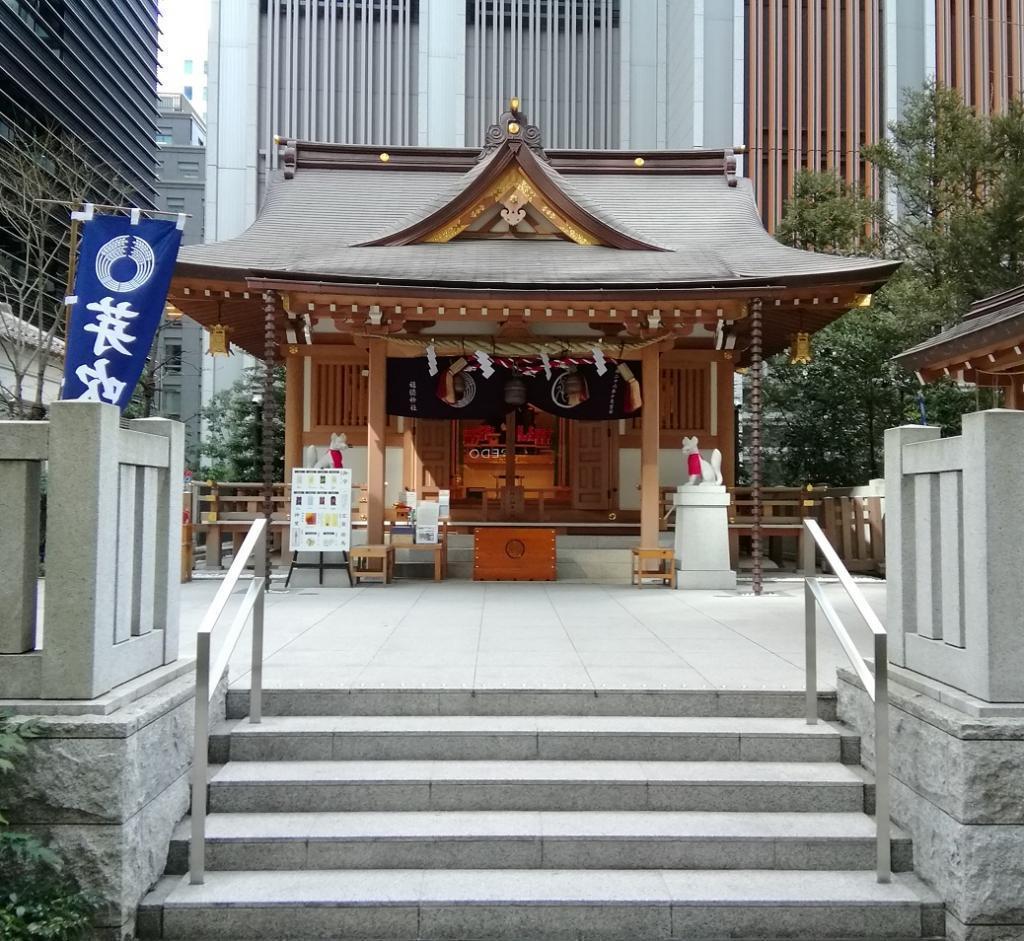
(509,554)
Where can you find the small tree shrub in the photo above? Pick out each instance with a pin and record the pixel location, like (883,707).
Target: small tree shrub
(38,898)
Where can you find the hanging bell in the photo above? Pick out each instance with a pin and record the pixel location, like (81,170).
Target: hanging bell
(515,391)
(800,352)
(219,341)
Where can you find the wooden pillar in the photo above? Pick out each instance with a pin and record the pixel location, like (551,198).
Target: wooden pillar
(375,443)
(650,440)
(293,410)
(509,498)
(1012,397)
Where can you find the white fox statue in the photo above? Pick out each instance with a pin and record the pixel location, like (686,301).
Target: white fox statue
(701,466)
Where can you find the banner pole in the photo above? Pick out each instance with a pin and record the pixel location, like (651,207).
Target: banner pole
(69,286)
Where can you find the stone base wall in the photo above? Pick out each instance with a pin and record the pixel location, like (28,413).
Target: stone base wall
(956,789)
(106,791)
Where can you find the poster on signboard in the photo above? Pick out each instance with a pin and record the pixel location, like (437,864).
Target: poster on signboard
(321,514)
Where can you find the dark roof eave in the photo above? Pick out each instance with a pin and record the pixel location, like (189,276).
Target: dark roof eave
(944,348)
(870,276)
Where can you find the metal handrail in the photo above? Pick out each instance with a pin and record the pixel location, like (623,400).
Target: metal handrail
(208,677)
(875,682)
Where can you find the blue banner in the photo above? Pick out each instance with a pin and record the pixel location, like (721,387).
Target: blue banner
(121,284)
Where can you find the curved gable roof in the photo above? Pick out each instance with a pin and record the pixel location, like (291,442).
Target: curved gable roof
(668,219)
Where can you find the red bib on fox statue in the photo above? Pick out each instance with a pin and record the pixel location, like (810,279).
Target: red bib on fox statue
(334,456)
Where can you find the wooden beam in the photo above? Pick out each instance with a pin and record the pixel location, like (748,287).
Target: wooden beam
(649,446)
(293,407)
(376,427)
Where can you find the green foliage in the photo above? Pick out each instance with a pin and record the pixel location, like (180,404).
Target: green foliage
(826,215)
(958,179)
(38,899)
(232,446)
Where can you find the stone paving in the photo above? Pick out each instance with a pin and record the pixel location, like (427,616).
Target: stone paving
(534,635)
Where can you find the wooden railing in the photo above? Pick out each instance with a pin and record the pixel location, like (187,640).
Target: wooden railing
(226,509)
(854,525)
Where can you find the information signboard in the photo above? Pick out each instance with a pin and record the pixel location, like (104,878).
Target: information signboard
(321,515)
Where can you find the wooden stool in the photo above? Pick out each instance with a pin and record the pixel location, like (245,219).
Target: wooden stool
(358,560)
(665,573)
(438,551)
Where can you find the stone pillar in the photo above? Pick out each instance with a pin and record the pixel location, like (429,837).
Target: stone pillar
(650,442)
(899,535)
(19,532)
(167,532)
(702,537)
(376,430)
(993,553)
(81,548)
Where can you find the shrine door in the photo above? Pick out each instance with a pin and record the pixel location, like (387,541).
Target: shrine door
(428,454)
(592,473)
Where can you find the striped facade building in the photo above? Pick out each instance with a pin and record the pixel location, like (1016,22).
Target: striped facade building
(800,83)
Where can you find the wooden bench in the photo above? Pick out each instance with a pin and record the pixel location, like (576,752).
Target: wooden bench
(359,558)
(438,550)
(665,571)
(215,530)
(771,527)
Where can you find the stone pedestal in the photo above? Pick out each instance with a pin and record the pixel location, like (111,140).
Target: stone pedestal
(702,537)
(106,781)
(955,779)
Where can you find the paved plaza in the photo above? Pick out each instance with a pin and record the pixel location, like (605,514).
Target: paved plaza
(461,634)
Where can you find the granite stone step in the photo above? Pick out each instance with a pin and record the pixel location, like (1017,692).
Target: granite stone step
(538,840)
(286,786)
(652,701)
(541,905)
(646,738)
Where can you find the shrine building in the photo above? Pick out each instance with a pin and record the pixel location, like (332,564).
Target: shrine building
(984,348)
(533,330)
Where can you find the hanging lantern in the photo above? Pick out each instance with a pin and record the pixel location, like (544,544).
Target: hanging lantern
(800,351)
(515,391)
(219,341)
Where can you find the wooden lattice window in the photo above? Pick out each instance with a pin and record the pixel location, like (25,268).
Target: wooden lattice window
(685,399)
(341,397)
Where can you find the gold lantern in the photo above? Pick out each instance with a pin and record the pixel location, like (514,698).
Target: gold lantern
(219,345)
(800,351)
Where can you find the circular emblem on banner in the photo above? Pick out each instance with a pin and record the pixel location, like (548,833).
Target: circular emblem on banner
(468,392)
(134,260)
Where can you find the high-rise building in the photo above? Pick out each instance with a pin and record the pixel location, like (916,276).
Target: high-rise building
(801,83)
(87,70)
(77,114)
(181,136)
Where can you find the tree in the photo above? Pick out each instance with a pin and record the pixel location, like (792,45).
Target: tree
(36,170)
(958,182)
(232,445)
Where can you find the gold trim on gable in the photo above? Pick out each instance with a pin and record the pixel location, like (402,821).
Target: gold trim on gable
(512,181)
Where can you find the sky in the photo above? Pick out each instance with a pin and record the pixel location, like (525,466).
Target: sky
(184,30)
